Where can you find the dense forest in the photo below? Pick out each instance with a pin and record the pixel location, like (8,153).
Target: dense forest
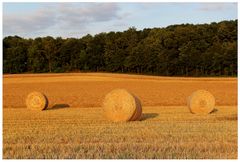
(176,50)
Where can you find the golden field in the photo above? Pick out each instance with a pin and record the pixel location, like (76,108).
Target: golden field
(73,125)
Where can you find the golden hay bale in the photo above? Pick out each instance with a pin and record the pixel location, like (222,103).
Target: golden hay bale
(201,102)
(36,101)
(138,113)
(120,105)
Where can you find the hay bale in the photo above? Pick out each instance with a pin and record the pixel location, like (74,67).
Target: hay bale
(120,105)
(138,113)
(36,101)
(201,102)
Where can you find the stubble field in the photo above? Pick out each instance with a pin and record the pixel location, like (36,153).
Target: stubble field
(73,125)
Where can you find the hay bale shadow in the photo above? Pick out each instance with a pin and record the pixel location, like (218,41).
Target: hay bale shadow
(146,116)
(58,106)
(214,111)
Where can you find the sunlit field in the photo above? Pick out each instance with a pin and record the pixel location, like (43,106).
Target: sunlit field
(73,125)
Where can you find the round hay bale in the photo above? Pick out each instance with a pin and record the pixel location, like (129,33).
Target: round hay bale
(119,105)
(138,113)
(201,102)
(36,101)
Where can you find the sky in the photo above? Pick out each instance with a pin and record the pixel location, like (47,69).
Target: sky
(31,20)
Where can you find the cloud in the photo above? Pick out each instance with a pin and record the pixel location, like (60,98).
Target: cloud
(89,13)
(64,16)
(216,6)
(24,22)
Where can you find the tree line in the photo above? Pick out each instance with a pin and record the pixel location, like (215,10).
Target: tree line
(176,50)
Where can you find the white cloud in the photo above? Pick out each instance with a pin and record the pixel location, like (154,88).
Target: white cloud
(89,13)
(64,16)
(23,22)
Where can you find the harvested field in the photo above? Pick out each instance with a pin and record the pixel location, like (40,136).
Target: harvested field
(164,133)
(88,90)
(74,127)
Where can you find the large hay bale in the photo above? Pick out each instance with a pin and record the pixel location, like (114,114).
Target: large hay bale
(138,113)
(120,105)
(201,102)
(36,101)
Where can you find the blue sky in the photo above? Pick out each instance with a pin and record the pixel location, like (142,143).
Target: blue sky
(32,20)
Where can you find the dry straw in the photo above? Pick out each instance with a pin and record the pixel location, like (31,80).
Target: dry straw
(36,101)
(120,105)
(201,102)
(138,113)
